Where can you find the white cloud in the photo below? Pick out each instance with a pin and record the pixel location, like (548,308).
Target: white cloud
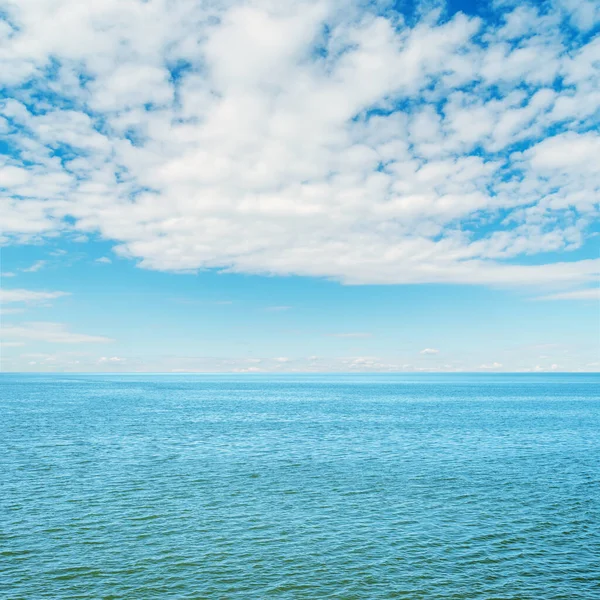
(544,368)
(10,311)
(42,331)
(111,359)
(586,294)
(35,267)
(8,274)
(104,260)
(319,138)
(29,296)
(430,351)
(583,14)
(568,150)
(494,365)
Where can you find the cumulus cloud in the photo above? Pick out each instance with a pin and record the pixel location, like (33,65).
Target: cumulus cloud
(29,296)
(322,138)
(43,331)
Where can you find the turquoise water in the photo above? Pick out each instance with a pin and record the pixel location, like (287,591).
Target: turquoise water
(345,487)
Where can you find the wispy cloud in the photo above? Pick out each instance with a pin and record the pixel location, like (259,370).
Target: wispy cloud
(104,260)
(586,294)
(35,267)
(429,351)
(28,296)
(43,331)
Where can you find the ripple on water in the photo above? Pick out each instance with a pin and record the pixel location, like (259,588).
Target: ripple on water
(314,487)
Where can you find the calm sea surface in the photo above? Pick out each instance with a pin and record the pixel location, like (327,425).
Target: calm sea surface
(292,487)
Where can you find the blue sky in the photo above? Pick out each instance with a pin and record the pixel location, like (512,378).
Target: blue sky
(315,186)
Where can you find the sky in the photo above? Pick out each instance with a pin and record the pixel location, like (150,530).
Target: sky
(322,186)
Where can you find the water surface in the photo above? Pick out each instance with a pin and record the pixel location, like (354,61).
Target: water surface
(348,487)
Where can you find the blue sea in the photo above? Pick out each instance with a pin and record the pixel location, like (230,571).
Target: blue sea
(291,487)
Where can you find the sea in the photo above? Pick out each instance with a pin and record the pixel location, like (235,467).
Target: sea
(259,486)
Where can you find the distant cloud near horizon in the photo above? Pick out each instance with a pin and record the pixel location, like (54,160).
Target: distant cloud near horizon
(430,351)
(87,361)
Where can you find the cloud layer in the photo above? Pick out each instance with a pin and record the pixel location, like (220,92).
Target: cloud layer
(321,138)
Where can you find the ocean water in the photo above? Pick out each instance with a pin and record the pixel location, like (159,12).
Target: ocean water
(347,487)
